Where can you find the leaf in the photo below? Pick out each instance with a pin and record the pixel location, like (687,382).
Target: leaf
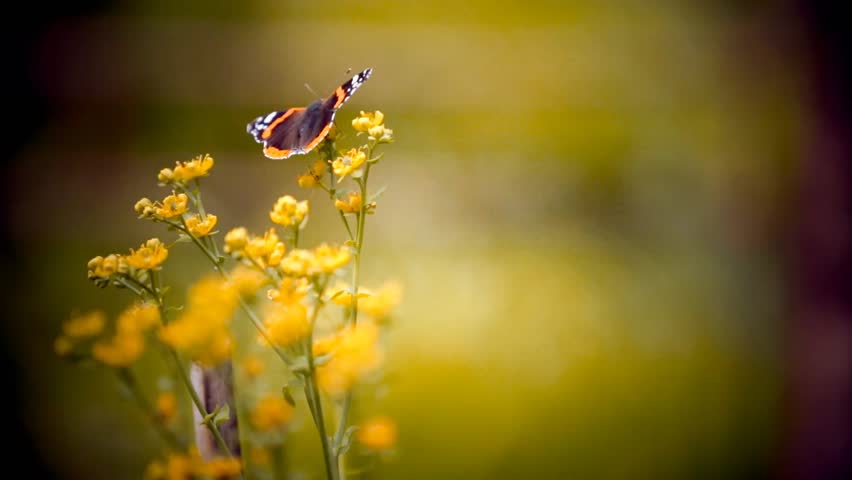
(223,414)
(375,196)
(288,396)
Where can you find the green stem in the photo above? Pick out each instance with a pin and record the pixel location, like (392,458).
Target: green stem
(312,392)
(199,405)
(129,380)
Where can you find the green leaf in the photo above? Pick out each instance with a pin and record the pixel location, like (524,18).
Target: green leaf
(288,396)
(378,194)
(223,414)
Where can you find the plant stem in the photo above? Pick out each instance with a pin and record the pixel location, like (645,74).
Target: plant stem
(129,380)
(311,390)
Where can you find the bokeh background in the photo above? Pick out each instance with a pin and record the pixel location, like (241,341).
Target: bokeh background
(622,226)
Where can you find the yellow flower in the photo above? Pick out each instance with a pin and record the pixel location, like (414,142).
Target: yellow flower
(380,303)
(223,467)
(253,366)
(377,433)
(286,325)
(271,412)
(145,208)
(290,290)
(150,255)
(329,259)
(354,354)
(312,177)
(381,133)
(348,163)
(298,262)
(173,206)
(276,255)
(201,331)
(166,175)
(198,167)
(259,247)
(349,204)
(247,281)
(138,318)
(365,120)
(236,240)
(85,325)
(198,227)
(288,211)
(342,295)
(167,406)
(102,268)
(120,351)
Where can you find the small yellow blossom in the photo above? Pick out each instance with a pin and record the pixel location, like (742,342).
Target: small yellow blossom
(377,433)
(342,295)
(351,203)
(120,351)
(286,324)
(137,318)
(328,258)
(354,354)
(167,406)
(290,290)
(367,120)
(271,412)
(259,247)
(145,208)
(198,167)
(201,330)
(198,227)
(298,262)
(382,301)
(289,212)
(102,268)
(150,255)
(223,467)
(253,366)
(274,258)
(236,240)
(85,325)
(63,346)
(173,206)
(247,281)
(348,163)
(312,177)
(381,134)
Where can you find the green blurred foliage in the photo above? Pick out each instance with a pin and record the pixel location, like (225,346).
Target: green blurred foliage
(585,203)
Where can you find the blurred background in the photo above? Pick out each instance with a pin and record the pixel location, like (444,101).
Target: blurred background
(622,227)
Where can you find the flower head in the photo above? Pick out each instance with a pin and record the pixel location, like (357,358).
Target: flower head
(290,290)
(197,167)
(329,258)
(271,412)
(120,351)
(286,324)
(299,262)
(367,120)
(150,255)
(247,281)
(351,203)
(167,406)
(173,206)
(236,240)
(354,354)
(312,177)
(381,134)
(377,433)
(85,325)
(100,269)
(348,163)
(145,208)
(289,212)
(198,227)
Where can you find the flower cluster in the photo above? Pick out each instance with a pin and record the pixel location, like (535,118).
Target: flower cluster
(190,465)
(353,354)
(201,331)
(185,171)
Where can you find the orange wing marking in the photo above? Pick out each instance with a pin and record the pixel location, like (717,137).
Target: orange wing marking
(267,132)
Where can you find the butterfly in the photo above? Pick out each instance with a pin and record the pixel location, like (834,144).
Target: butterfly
(300,129)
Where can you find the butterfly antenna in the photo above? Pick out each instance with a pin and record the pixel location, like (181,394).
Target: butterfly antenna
(311,90)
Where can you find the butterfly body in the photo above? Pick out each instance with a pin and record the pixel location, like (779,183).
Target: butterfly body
(298,130)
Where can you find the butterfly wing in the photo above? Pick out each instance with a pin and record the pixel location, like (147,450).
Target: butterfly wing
(278,132)
(300,130)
